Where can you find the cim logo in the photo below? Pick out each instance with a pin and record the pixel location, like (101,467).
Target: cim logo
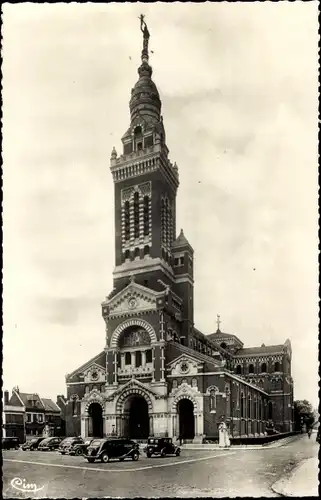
(21,485)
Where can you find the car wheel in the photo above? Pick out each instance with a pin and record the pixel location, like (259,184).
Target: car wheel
(148,455)
(105,458)
(178,452)
(78,452)
(91,460)
(135,456)
(163,454)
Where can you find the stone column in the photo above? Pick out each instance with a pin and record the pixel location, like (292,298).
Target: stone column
(151,430)
(143,359)
(161,321)
(115,367)
(133,359)
(122,360)
(162,379)
(153,364)
(86,426)
(195,425)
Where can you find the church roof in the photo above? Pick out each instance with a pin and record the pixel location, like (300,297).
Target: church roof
(181,241)
(218,335)
(269,349)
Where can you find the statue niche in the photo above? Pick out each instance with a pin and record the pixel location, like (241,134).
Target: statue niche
(134,337)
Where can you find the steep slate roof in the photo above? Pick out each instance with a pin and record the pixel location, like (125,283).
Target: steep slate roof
(181,241)
(50,405)
(26,397)
(269,349)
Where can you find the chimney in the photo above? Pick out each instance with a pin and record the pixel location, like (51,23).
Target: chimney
(6,397)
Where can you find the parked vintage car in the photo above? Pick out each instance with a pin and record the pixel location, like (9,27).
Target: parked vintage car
(67,444)
(81,448)
(162,447)
(9,443)
(107,448)
(50,444)
(32,444)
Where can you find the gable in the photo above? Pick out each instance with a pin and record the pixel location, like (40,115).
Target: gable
(185,365)
(134,384)
(94,373)
(78,374)
(15,400)
(134,298)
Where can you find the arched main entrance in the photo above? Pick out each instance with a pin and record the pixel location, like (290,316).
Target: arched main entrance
(185,410)
(95,420)
(136,423)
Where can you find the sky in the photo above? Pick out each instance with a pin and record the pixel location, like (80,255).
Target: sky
(238,84)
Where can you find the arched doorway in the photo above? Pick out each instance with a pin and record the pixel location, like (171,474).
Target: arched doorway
(95,420)
(136,417)
(185,410)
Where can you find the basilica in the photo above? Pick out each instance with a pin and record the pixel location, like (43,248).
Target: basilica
(157,374)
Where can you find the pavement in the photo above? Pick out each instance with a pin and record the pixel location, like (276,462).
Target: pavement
(302,480)
(196,473)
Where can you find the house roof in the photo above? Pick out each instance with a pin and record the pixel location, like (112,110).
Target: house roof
(269,349)
(50,405)
(26,397)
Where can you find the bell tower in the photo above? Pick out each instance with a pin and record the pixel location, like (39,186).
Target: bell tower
(145,187)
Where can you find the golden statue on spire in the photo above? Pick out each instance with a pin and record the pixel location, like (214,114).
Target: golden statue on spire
(144,30)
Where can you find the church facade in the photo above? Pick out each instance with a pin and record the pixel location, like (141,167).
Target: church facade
(157,374)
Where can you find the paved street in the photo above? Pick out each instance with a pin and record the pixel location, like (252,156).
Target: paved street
(214,473)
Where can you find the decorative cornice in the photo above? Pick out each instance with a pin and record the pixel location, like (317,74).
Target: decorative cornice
(143,266)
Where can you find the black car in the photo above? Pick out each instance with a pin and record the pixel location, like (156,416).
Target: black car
(67,444)
(50,444)
(107,448)
(9,443)
(162,447)
(81,448)
(32,444)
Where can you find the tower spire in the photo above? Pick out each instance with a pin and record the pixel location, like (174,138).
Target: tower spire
(218,322)
(144,30)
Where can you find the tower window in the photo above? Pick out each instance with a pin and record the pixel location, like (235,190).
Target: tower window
(149,356)
(146,215)
(276,366)
(127,220)
(138,131)
(251,368)
(128,358)
(127,255)
(136,215)
(176,262)
(146,250)
(239,369)
(139,146)
(181,261)
(138,359)
(137,253)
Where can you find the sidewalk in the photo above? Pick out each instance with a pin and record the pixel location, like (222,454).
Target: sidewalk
(273,444)
(302,481)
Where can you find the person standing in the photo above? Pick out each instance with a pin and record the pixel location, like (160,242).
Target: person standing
(224,440)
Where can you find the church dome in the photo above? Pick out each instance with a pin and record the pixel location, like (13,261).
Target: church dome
(145,101)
